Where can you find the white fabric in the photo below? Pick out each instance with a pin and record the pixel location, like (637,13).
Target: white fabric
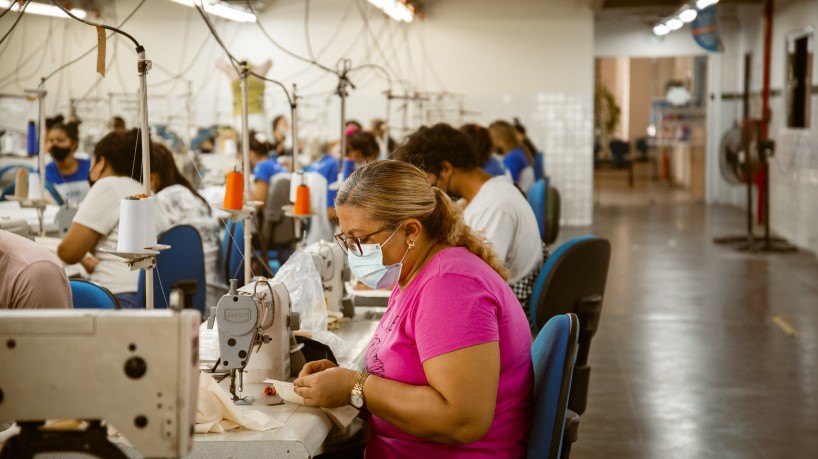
(181,207)
(506,219)
(99,212)
(215,412)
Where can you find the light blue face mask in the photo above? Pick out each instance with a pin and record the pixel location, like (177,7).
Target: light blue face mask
(369,267)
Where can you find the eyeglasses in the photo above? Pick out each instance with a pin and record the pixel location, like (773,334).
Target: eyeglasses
(353,244)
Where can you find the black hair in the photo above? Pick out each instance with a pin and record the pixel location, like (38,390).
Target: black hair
(364,142)
(71,128)
(122,150)
(258,147)
(526,141)
(276,120)
(163,164)
(117,122)
(480,141)
(428,147)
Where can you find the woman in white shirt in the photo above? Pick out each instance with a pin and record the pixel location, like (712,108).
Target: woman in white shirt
(180,204)
(115,169)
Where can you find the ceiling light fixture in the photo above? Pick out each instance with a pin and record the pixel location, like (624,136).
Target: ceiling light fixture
(702,4)
(395,9)
(43,9)
(674,23)
(660,30)
(218,8)
(688,14)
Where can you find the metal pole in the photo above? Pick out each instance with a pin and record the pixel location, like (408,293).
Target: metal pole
(245,154)
(342,92)
(294,123)
(142,66)
(40,158)
(385,144)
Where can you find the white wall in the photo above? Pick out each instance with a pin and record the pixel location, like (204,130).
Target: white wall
(531,59)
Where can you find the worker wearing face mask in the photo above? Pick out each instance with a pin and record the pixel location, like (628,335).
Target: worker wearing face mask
(68,174)
(448,372)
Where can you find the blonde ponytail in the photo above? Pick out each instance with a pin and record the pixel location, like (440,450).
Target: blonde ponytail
(453,230)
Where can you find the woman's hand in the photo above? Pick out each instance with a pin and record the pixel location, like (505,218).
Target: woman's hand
(89,262)
(329,388)
(316,366)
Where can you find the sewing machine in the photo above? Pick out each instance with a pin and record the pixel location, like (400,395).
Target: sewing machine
(331,263)
(257,315)
(137,370)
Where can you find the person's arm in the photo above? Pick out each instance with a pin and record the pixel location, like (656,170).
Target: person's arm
(77,242)
(456,407)
(263,68)
(28,287)
(227,69)
(259,191)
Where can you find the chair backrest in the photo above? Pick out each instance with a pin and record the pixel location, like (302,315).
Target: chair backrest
(233,251)
(553,355)
(536,198)
(7,173)
(86,294)
(539,166)
(552,214)
(576,270)
(183,261)
(278,229)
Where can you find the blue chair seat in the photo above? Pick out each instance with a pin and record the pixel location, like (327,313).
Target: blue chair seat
(86,294)
(181,264)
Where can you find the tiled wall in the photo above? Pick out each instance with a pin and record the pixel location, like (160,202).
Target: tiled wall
(561,126)
(794,179)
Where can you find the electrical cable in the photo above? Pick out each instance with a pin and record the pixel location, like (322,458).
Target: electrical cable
(11,4)
(235,62)
(20,16)
(104,26)
(285,50)
(307,28)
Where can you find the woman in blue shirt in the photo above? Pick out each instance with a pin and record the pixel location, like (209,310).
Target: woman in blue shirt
(68,173)
(515,157)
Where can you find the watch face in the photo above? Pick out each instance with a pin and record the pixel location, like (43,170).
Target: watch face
(357,400)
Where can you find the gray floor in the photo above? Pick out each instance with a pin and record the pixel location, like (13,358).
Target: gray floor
(690,360)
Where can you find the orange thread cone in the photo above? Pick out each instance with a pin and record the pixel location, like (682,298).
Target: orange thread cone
(234,191)
(302,200)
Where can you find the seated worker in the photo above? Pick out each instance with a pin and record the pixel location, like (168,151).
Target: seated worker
(68,174)
(263,168)
(495,208)
(539,157)
(448,371)
(482,146)
(386,144)
(517,159)
(362,148)
(31,277)
(281,128)
(116,165)
(181,204)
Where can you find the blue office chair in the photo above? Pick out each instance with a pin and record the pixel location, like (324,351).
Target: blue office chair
(573,280)
(233,251)
(7,172)
(553,355)
(9,191)
(181,266)
(90,295)
(545,201)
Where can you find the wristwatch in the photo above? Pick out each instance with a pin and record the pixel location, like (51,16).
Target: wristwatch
(356,397)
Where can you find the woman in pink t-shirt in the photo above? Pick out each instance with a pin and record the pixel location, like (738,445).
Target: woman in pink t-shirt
(448,372)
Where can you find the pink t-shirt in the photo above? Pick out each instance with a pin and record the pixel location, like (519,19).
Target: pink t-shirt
(456,301)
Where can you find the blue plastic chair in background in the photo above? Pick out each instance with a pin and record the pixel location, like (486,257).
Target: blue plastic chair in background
(233,251)
(573,280)
(553,355)
(182,266)
(545,201)
(86,294)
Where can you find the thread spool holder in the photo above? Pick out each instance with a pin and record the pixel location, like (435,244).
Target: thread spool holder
(39,204)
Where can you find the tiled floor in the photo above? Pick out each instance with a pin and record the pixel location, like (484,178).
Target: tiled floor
(689,361)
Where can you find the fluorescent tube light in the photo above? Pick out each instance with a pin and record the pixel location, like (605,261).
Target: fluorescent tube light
(43,9)
(688,15)
(395,9)
(660,29)
(220,9)
(702,4)
(674,24)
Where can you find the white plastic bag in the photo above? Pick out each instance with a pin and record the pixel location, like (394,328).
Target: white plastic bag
(306,292)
